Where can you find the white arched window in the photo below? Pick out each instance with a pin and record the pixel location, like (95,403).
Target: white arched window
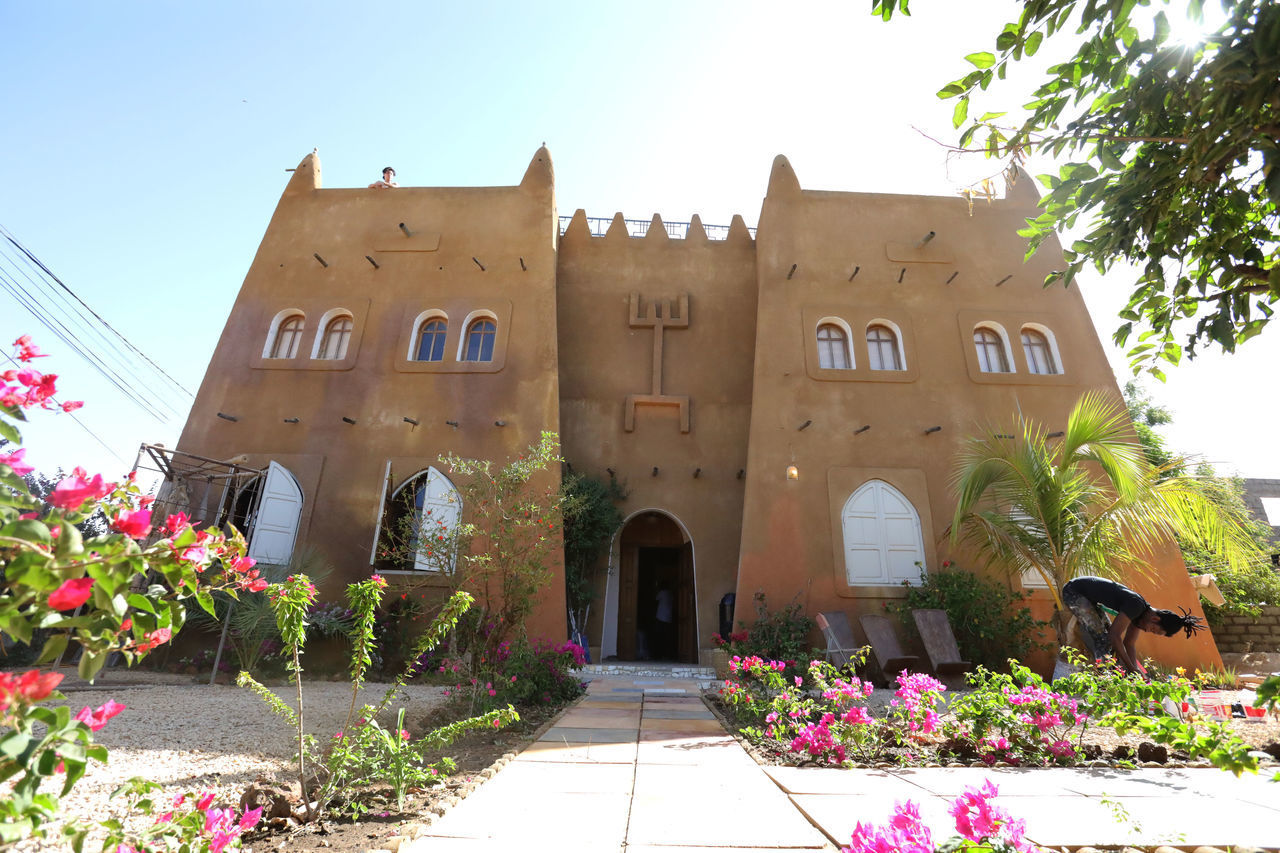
(335,338)
(286,335)
(833,347)
(884,347)
(435,507)
(883,542)
(1038,346)
(477,343)
(993,356)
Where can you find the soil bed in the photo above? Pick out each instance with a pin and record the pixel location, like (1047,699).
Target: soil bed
(1102,745)
(192,737)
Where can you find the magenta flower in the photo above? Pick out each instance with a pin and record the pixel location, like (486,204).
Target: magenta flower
(15,460)
(133,523)
(206,800)
(73,491)
(96,720)
(71,594)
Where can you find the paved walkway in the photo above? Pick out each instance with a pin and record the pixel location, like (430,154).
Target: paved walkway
(642,765)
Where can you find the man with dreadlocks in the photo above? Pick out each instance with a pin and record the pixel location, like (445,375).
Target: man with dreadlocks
(1086,596)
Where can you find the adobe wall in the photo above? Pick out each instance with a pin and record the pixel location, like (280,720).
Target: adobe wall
(857,257)
(1259,633)
(509,231)
(609,288)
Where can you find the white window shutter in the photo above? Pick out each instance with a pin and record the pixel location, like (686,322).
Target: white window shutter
(382,508)
(276,526)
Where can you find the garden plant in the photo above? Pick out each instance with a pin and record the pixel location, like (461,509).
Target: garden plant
(121,591)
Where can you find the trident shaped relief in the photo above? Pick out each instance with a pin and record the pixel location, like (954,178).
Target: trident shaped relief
(662,318)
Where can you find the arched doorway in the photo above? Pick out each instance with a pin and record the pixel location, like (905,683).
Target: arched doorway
(657,602)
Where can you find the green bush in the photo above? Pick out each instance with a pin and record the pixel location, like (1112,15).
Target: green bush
(990,621)
(783,635)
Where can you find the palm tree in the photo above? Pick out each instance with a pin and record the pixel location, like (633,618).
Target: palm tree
(1087,503)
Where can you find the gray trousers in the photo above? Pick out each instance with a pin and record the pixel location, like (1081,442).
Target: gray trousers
(1095,627)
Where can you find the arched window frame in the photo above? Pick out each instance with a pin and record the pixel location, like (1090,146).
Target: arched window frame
(472,319)
(278,324)
(997,330)
(843,327)
(420,562)
(331,317)
(894,330)
(917,555)
(416,335)
(1052,341)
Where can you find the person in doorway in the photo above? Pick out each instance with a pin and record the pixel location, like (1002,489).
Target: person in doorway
(1086,597)
(387,182)
(663,616)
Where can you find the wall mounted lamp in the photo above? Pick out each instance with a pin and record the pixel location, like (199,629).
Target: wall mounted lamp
(793,473)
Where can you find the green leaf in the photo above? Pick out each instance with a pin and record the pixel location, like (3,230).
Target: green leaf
(28,529)
(10,432)
(961,110)
(53,647)
(1032,44)
(984,59)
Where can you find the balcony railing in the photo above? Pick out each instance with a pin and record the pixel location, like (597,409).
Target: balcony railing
(599,225)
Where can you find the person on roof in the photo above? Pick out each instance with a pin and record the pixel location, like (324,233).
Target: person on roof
(386,183)
(1086,597)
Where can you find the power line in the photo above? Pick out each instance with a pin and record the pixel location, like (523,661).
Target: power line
(125,340)
(106,348)
(82,425)
(68,337)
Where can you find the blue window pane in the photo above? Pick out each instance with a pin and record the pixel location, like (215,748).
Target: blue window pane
(431,343)
(480,341)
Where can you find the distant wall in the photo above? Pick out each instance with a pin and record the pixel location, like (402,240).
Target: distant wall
(1250,633)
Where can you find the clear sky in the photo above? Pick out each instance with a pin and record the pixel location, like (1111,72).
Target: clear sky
(146,146)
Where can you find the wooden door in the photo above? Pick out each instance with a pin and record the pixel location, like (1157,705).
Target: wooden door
(686,603)
(628,576)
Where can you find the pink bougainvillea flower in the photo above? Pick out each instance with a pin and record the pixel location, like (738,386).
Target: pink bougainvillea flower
(35,686)
(379,581)
(158,637)
(72,405)
(250,819)
(73,491)
(133,523)
(176,523)
(404,734)
(17,461)
(206,800)
(27,350)
(195,554)
(71,594)
(95,720)
(241,564)
(126,625)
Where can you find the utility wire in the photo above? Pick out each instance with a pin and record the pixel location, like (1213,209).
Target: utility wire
(133,385)
(125,340)
(108,346)
(68,337)
(80,423)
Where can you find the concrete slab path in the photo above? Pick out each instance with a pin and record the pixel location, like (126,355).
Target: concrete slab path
(642,765)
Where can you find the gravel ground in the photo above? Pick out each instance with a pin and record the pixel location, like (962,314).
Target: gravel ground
(194,737)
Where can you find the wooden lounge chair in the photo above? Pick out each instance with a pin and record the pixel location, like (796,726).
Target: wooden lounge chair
(885,647)
(841,647)
(940,643)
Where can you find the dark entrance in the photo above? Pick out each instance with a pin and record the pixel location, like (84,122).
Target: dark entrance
(656,617)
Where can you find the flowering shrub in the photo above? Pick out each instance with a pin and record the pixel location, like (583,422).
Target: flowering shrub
(201,827)
(828,723)
(1016,719)
(519,673)
(112,592)
(363,752)
(980,825)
